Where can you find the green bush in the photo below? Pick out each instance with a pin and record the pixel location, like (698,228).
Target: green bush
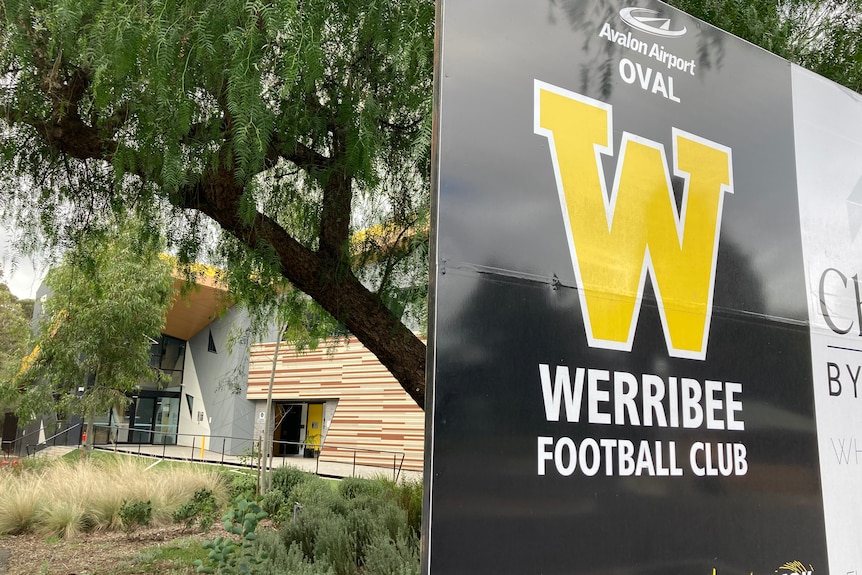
(385,556)
(273,501)
(359,526)
(281,559)
(135,513)
(286,478)
(356,526)
(392,521)
(335,545)
(288,487)
(202,509)
(227,556)
(302,532)
(353,487)
(408,496)
(241,484)
(317,492)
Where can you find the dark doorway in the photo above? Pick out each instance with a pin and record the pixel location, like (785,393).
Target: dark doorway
(10,432)
(288,416)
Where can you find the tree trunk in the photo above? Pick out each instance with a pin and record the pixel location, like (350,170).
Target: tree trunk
(267,428)
(324,273)
(87,448)
(326,278)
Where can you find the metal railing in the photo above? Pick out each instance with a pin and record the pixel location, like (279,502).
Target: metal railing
(397,456)
(22,445)
(150,447)
(201,450)
(52,440)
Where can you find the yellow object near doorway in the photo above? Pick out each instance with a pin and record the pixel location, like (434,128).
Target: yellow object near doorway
(314,426)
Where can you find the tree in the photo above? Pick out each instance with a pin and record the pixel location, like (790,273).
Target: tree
(291,124)
(14,339)
(824,36)
(25,304)
(109,299)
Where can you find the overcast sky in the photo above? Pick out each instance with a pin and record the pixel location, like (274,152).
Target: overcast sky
(19,273)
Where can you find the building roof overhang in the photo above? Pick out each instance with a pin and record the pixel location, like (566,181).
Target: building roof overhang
(195,305)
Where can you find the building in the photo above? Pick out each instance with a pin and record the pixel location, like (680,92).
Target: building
(337,402)
(341,395)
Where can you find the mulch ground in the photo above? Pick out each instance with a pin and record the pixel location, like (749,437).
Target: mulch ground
(97,553)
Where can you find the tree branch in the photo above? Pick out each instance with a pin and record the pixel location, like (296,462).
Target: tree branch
(325,274)
(331,285)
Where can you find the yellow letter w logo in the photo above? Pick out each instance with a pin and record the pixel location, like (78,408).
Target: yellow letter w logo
(614,241)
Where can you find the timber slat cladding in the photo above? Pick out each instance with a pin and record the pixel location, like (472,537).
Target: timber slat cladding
(374,413)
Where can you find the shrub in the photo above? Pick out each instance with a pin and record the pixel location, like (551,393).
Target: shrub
(225,556)
(334,545)
(273,501)
(240,483)
(135,513)
(302,532)
(317,492)
(392,521)
(341,528)
(385,556)
(286,478)
(408,496)
(281,559)
(353,487)
(202,509)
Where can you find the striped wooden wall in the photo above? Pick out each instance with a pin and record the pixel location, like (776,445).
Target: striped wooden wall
(374,413)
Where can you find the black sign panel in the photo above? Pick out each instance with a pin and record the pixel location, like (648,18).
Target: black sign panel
(621,365)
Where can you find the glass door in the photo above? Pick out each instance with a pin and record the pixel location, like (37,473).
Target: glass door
(166,420)
(143,409)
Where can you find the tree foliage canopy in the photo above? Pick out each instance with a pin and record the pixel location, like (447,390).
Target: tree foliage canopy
(14,340)
(291,124)
(108,299)
(824,36)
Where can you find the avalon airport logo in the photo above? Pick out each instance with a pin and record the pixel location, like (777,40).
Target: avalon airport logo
(655,79)
(649,21)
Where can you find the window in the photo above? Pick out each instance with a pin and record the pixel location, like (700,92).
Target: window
(211,344)
(168,356)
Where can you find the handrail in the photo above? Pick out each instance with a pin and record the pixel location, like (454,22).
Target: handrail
(53,437)
(67,430)
(398,457)
(328,452)
(18,441)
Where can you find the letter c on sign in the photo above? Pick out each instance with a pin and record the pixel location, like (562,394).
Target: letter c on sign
(824,309)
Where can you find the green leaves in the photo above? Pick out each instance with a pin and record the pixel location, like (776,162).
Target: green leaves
(284,121)
(14,341)
(227,556)
(186,88)
(109,299)
(824,36)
